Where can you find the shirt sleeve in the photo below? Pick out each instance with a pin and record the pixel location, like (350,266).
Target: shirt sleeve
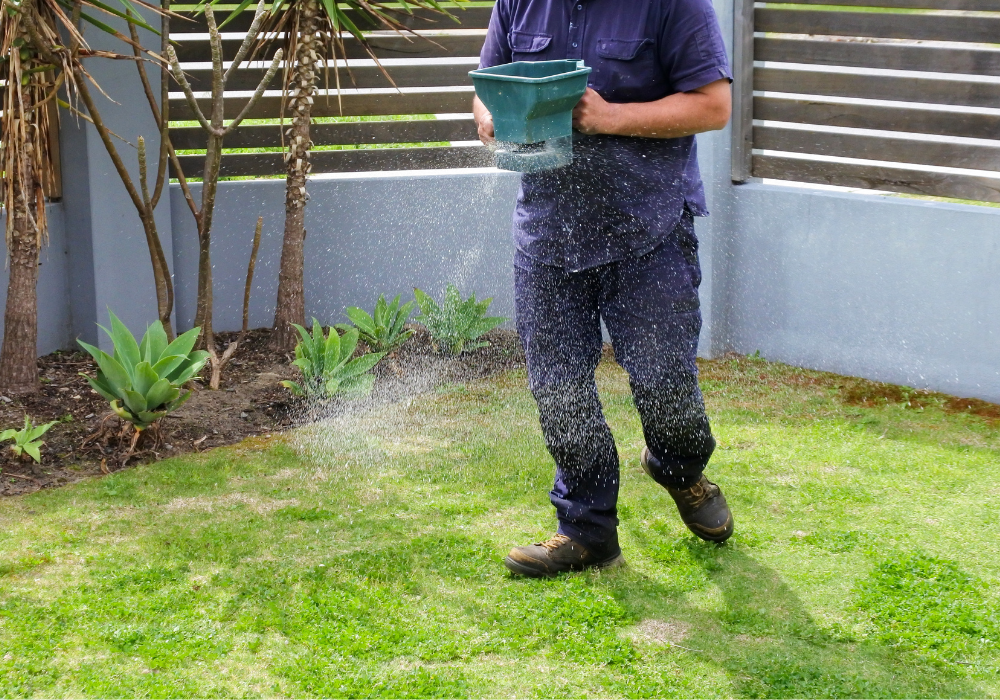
(692,52)
(496,50)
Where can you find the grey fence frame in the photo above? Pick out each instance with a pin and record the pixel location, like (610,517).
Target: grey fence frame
(872,99)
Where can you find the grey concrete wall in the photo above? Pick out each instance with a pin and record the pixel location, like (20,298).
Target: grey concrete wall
(366,234)
(54,319)
(111,264)
(892,289)
(879,286)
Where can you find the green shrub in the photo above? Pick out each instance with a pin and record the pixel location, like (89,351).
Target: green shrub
(143,380)
(326,364)
(455,325)
(383,330)
(26,440)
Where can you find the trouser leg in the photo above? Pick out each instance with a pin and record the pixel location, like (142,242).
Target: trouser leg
(650,306)
(559,324)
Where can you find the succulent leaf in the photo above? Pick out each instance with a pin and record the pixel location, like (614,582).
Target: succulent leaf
(115,375)
(125,345)
(183,344)
(145,377)
(360,365)
(347,346)
(156,340)
(32,449)
(293,387)
(159,393)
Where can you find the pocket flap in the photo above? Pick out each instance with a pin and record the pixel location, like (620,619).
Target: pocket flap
(526,42)
(620,49)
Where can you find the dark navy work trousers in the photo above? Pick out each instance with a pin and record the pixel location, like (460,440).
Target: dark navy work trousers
(650,307)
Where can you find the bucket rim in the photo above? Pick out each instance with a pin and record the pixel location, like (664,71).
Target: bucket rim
(484,73)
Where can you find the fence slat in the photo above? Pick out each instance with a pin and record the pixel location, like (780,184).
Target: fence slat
(881,87)
(428,75)
(363,160)
(457,42)
(468,18)
(865,116)
(354,105)
(976,29)
(973,61)
(978,188)
(967,5)
(344,133)
(893,149)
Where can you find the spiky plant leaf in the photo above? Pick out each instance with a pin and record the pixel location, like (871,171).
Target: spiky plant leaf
(156,342)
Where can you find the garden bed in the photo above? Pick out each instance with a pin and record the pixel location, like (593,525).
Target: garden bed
(250,401)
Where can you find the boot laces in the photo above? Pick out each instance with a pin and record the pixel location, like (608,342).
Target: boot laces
(699,493)
(554,542)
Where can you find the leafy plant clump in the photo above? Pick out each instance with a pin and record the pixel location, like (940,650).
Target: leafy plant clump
(26,440)
(143,380)
(382,330)
(326,364)
(456,324)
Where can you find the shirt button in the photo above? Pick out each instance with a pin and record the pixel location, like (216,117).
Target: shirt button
(575,44)
(579,7)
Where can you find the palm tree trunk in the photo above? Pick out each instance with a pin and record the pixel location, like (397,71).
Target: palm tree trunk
(291,306)
(18,367)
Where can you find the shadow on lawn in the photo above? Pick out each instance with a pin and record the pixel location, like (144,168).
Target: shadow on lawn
(772,647)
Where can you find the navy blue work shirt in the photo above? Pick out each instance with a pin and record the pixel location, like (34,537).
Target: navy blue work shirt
(622,194)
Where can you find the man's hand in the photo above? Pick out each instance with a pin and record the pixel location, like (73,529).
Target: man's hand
(484,121)
(594,115)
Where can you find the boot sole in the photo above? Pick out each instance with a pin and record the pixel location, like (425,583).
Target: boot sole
(718,539)
(521,569)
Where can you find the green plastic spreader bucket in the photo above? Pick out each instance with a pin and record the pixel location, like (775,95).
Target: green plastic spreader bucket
(532,102)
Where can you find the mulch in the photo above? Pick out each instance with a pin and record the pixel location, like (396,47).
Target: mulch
(250,401)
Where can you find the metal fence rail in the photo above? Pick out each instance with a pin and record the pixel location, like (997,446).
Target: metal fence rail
(904,96)
(430,127)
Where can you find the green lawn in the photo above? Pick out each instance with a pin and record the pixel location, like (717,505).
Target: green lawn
(364,559)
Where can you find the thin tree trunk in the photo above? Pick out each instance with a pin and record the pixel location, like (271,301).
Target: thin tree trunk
(291,306)
(18,367)
(203,309)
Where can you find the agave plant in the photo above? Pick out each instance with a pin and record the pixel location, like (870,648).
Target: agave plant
(382,330)
(26,440)
(456,324)
(143,380)
(326,364)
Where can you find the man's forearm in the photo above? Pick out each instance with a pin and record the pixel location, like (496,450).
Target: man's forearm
(681,114)
(677,115)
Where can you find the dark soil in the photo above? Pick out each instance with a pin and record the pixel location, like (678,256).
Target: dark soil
(251,401)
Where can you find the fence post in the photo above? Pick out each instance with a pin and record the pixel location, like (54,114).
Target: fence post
(742,90)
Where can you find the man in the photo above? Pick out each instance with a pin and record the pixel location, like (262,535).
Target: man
(612,237)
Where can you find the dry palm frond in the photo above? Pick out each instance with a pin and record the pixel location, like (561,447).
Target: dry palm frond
(34,63)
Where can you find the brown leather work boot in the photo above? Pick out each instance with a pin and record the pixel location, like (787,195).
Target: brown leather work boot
(703,508)
(556,555)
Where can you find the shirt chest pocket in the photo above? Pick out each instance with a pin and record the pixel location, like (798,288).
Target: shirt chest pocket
(626,70)
(529,46)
